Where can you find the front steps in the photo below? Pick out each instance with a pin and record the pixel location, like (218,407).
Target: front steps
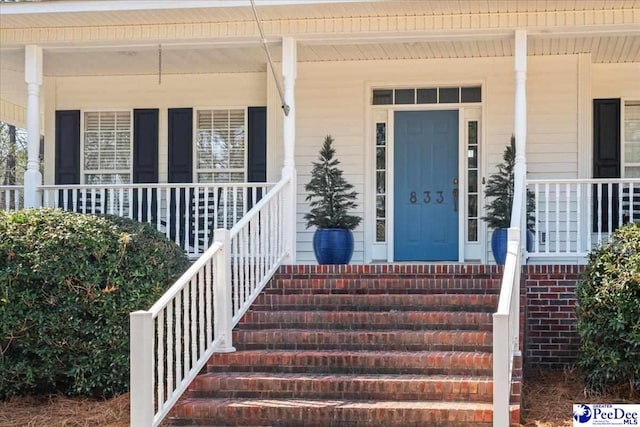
(375,345)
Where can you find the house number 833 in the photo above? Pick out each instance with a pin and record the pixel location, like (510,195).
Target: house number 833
(426,197)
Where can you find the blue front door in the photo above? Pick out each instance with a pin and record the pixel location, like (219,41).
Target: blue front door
(426,185)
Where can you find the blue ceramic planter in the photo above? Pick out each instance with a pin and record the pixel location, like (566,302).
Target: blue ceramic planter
(333,245)
(499,244)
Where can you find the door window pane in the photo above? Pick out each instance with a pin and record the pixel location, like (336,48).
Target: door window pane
(405,96)
(473,186)
(449,95)
(382,96)
(427,96)
(381,177)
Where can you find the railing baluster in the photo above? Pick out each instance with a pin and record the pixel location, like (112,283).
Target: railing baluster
(225,207)
(243,260)
(568,220)
(209,303)
(148,192)
(129,203)
(160,360)
(176,220)
(599,212)
(546,218)
(579,247)
(620,188)
(168,219)
(170,349)
(186,330)
(631,202)
(558,241)
(201,310)
(179,366)
(196,220)
(194,320)
(207,218)
(187,214)
(610,222)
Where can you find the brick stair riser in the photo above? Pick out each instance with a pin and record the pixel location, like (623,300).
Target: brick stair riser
(417,363)
(383,286)
(393,270)
(412,320)
(372,302)
(213,412)
(356,340)
(346,387)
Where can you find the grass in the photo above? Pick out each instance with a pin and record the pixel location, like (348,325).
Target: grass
(548,400)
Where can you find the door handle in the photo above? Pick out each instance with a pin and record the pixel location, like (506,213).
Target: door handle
(455,200)
(455,181)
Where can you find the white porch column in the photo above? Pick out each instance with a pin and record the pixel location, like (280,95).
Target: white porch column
(289,70)
(33,77)
(520,124)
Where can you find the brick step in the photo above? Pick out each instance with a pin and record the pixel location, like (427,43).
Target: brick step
(390,270)
(326,413)
(351,387)
(390,285)
(356,362)
(376,302)
(331,339)
(359,320)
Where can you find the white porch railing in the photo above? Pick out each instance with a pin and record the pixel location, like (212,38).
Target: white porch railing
(506,320)
(172,341)
(506,329)
(11,197)
(572,216)
(186,213)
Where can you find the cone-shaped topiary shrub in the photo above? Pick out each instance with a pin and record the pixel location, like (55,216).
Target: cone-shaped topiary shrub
(608,313)
(331,196)
(67,284)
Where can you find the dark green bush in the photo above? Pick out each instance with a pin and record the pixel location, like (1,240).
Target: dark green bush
(608,313)
(67,284)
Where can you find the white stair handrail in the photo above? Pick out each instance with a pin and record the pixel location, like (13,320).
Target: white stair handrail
(173,340)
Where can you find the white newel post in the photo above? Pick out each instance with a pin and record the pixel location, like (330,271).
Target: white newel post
(289,70)
(222,302)
(141,380)
(33,77)
(520,124)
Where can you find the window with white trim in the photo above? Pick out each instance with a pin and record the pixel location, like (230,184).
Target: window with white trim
(221,146)
(107,147)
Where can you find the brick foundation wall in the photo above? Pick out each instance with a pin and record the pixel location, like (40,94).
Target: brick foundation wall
(551,339)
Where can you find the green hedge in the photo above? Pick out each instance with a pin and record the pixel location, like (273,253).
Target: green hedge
(608,313)
(67,284)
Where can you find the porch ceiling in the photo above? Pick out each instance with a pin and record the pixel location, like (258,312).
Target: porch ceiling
(91,13)
(185,59)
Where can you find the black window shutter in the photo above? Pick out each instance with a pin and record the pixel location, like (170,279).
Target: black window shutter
(180,158)
(145,161)
(257,147)
(67,164)
(145,146)
(180,154)
(257,141)
(606,158)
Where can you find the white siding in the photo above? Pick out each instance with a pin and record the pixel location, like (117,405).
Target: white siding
(175,91)
(616,80)
(332,99)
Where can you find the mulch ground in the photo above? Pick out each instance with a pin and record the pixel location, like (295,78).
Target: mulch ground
(549,397)
(548,400)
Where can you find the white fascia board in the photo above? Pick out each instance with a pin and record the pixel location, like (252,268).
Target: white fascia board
(62,6)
